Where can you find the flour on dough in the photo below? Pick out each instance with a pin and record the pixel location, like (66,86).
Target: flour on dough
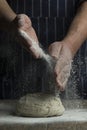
(40,105)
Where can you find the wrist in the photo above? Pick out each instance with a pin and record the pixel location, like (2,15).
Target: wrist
(6,23)
(69,44)
(74,42)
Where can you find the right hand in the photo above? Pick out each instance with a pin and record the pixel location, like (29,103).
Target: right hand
(23,22)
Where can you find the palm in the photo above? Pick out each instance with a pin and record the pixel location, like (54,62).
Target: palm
(63,65)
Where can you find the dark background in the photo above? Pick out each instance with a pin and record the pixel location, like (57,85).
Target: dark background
(20,73)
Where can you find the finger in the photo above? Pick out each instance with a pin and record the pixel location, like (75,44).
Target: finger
(63,84)
(62,78)
(26,37)
(60,86)
(34,52)
(32,49)
(62,65)
(29,43)
(58,68)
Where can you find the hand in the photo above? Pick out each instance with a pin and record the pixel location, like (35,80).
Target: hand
(23,22)
(62,53)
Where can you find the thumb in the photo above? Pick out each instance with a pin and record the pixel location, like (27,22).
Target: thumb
(55,49)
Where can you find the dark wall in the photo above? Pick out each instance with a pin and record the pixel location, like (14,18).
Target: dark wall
(19,71)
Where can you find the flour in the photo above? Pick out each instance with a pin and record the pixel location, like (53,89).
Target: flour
(42,104)
(36,47)
(48,76)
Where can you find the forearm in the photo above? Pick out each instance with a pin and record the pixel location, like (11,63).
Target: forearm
(7,15)
(77,33)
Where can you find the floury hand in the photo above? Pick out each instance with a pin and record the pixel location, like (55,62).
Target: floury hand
(62,53)
(35,47)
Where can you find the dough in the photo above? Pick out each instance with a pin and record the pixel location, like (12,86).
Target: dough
(40,105)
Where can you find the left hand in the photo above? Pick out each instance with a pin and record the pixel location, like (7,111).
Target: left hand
(62,53)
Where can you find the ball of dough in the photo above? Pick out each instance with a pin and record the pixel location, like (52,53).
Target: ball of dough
(40,105)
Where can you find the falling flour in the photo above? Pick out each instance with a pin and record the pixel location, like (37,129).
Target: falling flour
(36,47)
(48,76)
(41,104)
